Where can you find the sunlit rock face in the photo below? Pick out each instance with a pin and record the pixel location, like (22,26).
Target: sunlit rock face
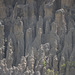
(37,37)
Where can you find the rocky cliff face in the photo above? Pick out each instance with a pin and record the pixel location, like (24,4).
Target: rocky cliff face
(37,37)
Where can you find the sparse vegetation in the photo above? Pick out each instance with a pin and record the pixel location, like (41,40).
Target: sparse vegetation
(70,64)
(50,71)
(63,65)
(44,63)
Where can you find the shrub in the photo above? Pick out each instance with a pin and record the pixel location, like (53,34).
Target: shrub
(44,63)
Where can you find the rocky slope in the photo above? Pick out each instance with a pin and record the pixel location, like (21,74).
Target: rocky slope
(37,37)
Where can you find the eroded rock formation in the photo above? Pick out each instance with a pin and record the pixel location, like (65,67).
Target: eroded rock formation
(37,37)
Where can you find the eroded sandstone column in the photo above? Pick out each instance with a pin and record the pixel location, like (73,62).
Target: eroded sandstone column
(1,41)
(67,3)
(2,10)
(9,54)
(18,40)
(28,38)
(49,10)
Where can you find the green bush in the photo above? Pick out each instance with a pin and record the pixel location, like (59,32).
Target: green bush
(44,63)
